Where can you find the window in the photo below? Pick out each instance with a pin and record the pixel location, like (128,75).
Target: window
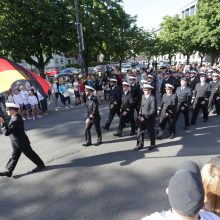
(187,12)
(174,57)
(56,61)
(192,10)
(61,60)
(180,57)
(182,14)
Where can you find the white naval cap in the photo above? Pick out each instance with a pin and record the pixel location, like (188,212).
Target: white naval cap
(215,74)
(113,80)
(125,84)
(12,105)
(132,77)
(150,76)
(147,86)
(143,81)
(90,88)
(169,86)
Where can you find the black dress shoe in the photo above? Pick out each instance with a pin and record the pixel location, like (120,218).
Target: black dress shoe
(87,144)
(105,127)
(152,147)
(6,173)
(38,168)
(172,136)
(98,143)
(138,148)
(117,134)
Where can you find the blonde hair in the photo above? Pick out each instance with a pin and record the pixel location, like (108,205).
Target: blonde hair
(211,181)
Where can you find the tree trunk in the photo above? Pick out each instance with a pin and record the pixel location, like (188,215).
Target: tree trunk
(187,58)
(170,58)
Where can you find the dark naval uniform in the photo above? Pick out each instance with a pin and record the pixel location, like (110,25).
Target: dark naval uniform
(115,104)
(127,106)
(20,143)
(201,99)
(148,113)
(184,96)
(136,93)
(167,114)
(93,117)
(214,99)
(163,85)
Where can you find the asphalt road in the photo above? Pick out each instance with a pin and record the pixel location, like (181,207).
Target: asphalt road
(109,181)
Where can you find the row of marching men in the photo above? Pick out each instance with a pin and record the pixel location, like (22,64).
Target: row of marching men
(132,97)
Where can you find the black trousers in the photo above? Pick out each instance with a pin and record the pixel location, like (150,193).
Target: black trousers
(111,116)
(88,131)
(163,122)
(196,109)
(28,152)
(185,114)
(124,120)
(217,106)
(142,127)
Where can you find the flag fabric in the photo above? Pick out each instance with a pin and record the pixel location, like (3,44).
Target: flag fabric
(11,72)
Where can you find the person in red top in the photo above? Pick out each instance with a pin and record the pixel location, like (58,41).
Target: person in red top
(81,91)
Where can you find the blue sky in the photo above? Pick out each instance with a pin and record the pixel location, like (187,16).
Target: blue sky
(150,12)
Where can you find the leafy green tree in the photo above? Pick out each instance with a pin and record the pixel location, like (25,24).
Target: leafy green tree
(169,36)
(187,33)
(35,30)
(209,26)
(123,37)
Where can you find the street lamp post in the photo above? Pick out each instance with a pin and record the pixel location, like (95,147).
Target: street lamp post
(79,37)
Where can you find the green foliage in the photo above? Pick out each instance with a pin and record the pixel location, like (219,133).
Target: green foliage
(208,21)
(169,36)
(34,28)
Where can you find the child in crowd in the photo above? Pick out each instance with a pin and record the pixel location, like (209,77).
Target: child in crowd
(34,105)
(25,95)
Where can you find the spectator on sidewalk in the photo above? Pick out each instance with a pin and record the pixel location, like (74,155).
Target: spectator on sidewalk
(43,102)
(64,94)
(54,94)
(19,101)
(76,91)
(211,182)
(186,196)
(25,95)
(34,105)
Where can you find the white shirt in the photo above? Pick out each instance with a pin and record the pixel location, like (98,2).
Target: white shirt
(168,215)
(18,99)
(54,88)
(33,100)
(76,86)
(25,96)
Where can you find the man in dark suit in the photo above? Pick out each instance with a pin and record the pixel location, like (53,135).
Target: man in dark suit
(19,141)
(201,99)
(214,99)
(127,111)
(147,118)
(92,117)
(136,93)
(115,102)
(167,112)
(184,96)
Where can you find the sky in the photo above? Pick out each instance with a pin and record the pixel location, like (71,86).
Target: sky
(151,12)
